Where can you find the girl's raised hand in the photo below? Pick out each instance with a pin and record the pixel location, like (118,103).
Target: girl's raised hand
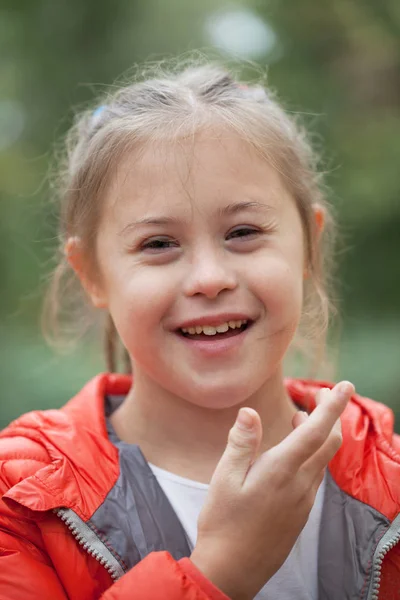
(256,509)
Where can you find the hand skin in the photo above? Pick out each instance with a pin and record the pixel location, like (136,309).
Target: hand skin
(256,509)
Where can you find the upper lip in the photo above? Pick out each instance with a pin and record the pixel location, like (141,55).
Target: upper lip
(214,320)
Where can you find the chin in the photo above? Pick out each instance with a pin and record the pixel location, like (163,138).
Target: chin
(220,397)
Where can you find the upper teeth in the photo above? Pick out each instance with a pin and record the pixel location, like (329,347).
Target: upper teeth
(209,330)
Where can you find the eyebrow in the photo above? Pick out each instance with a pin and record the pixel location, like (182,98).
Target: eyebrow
(229,209)
(235,207)
(150,221)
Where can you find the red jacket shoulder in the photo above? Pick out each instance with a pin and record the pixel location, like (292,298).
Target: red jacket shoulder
(22,448)
(367,466)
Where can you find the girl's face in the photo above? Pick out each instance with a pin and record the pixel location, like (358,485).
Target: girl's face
(202,234)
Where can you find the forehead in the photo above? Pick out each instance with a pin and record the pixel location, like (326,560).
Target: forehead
(211,167)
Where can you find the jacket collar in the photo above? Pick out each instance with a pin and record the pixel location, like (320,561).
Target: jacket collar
(83,464)
(367,466)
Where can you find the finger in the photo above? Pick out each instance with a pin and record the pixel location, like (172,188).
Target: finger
(304,441)
(299,418)
(318,479)
(324,455)
(242,448)
(338,387)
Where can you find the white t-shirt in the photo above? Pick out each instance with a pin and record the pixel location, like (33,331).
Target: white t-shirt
(296,579)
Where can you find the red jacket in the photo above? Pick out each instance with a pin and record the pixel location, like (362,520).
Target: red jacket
(63,459)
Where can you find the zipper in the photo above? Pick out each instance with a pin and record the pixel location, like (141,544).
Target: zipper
(386,543)
(90,542)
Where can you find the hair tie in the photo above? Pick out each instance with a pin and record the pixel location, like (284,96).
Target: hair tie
(96,114)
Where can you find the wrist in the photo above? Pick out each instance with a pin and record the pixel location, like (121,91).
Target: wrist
(222,575)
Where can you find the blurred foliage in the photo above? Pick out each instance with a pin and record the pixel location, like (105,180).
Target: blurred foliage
(337,62)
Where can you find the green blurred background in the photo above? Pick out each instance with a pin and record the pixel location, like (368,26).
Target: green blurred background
(335,61)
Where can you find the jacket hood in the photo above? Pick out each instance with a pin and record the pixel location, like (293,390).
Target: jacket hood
(72,463)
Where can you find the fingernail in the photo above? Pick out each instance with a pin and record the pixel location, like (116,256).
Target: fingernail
(346,388)
(244,420)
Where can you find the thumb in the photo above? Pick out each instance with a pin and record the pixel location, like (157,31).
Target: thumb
(243,444)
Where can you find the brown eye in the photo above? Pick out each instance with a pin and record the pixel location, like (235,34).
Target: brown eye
(243,232)
(159,244)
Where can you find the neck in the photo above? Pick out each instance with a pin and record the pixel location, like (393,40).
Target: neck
(189,440)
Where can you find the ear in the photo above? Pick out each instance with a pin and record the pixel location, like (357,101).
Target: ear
(319,217)
(74,255)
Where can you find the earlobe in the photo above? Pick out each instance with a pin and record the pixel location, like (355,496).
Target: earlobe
(319,215)
(95,296)
(74,255)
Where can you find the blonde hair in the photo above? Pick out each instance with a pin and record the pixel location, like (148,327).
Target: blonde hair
(170,104)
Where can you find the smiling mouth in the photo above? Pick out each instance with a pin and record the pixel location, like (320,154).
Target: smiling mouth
(211,336)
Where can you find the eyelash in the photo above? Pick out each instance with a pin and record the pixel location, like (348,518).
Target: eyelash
(149,245)
(171,243)
(250,231)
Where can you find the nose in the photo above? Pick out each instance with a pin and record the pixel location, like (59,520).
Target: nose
(209,274)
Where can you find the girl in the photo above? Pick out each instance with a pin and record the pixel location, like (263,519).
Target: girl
(193,217)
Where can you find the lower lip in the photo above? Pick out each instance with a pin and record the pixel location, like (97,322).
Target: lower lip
(210,347)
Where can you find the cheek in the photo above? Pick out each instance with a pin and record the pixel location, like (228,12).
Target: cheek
(139,299)
(280,287)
